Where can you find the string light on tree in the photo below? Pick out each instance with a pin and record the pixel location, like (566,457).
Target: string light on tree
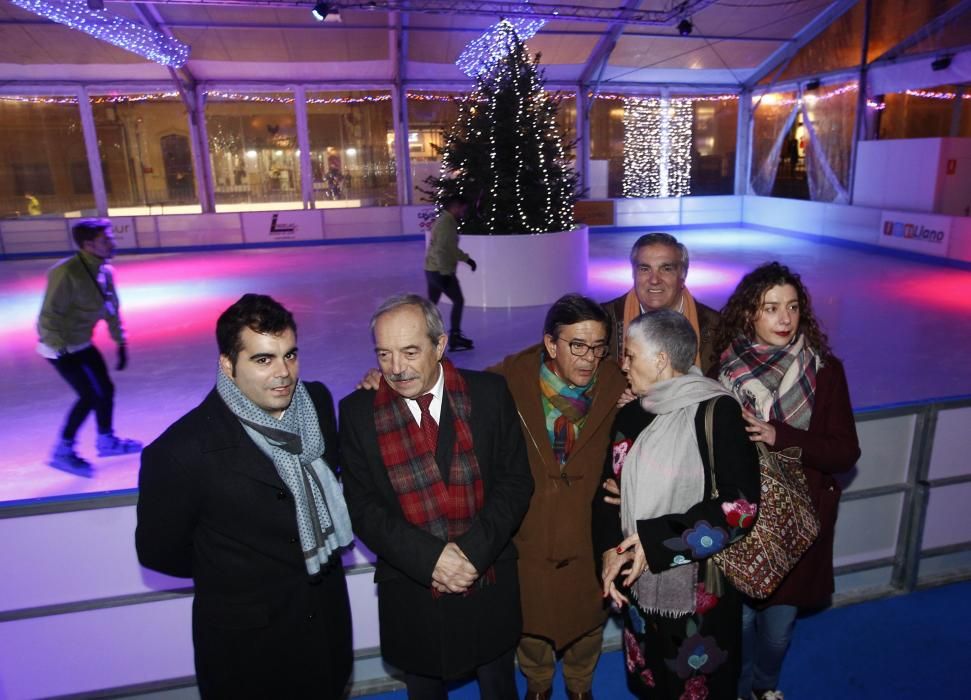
(505,153)
(484,52)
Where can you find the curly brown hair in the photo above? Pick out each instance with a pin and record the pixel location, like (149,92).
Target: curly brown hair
(744,303)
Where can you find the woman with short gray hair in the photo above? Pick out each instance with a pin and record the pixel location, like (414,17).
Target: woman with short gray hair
(681,618)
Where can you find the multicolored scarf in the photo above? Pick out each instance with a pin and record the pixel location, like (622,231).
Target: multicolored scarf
(565,407)
(774,383)
(689,309)
(445,511)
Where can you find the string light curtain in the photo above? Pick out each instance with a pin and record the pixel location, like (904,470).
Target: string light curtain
(657,147)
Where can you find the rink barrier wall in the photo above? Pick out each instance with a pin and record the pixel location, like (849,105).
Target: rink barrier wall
(834,223)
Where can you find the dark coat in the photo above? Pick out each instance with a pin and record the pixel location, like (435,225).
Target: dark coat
(707,323)
(450,635)
(211,506)
(561,593)
(829,447)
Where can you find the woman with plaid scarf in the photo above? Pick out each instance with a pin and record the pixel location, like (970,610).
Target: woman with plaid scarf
(776,360)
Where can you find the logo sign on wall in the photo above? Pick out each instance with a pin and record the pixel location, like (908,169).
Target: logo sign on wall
(273,227)
(123,227)
(920,233)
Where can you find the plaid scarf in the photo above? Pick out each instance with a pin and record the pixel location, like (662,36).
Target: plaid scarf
(443,511)
(565,407)
(774,383)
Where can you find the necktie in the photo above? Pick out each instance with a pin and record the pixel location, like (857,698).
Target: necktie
(428,425)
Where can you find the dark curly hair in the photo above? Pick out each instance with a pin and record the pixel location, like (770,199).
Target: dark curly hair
(744,303)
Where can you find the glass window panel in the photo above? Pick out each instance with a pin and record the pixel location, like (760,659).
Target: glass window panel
(42,149)
(714,133)
(770,114)
(253,151)
(918,114)
(838,46)
(607,141)
(352,149)
(566,119)
(430,116)
(144,144)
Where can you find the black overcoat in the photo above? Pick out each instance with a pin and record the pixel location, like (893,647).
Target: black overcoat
(451,635)
(212,507)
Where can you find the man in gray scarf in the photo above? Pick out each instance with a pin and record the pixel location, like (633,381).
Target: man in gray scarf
(239,494)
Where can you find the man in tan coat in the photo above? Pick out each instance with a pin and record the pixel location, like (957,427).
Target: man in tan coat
(566,394)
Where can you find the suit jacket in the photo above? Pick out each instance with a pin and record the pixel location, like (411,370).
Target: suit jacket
(212,506)
(561,592)
(450,635)
(707,323)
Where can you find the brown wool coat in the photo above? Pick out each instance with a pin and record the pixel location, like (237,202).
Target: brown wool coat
(558,580)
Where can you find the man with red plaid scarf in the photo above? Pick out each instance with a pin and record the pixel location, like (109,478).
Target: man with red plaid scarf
(437,482)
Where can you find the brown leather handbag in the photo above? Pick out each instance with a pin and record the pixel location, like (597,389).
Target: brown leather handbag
(785,527)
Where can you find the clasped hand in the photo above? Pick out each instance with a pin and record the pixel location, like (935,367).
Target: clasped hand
(627,559)
(453,573)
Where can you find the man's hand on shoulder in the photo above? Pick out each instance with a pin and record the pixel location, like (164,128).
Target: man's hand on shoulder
(371,380)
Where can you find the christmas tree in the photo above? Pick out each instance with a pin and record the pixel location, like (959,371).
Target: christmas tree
(505,154)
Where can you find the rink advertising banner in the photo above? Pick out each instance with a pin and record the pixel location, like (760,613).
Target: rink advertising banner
(273,227)
(916,232)
(123,227)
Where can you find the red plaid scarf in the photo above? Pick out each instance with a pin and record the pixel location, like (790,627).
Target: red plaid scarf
(774,383)
(444,511)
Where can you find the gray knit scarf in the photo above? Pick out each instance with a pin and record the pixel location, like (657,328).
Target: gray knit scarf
(295,446)
(663,474)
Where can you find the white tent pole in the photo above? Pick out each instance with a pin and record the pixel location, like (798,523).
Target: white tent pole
(91,149)
(303,143)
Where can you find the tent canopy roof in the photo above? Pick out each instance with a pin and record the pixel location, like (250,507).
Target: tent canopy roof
(732,42)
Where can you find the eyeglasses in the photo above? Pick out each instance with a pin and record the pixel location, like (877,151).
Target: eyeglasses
(581,349)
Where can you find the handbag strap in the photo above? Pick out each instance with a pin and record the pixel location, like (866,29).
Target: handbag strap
(710,441)
(714,579)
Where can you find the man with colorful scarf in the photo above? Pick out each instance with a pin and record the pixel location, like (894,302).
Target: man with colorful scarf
(437,482)
(240,495)
(659,263)
(566,394)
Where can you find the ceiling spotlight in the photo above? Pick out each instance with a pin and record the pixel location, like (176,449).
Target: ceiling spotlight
(941,63)
(96,5)
(321,10)
(685,27)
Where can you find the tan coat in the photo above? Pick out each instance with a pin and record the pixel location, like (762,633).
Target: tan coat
(558,580)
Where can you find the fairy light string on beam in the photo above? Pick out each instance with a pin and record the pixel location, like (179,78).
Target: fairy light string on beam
(111,28)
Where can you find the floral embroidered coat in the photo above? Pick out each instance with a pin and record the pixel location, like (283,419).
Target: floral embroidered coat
(694,656)
(558,580)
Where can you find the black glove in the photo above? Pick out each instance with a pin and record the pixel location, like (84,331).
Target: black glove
(471,264)
(122,357)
